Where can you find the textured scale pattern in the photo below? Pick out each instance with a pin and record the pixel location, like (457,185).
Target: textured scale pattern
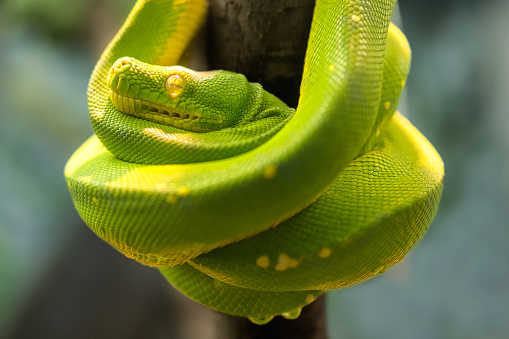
(261,208)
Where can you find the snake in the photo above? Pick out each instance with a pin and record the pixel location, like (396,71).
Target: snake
(244,204)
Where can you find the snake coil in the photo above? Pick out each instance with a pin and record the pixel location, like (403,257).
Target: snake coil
(245,205)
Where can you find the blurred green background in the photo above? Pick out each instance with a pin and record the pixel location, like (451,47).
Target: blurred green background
(57,280)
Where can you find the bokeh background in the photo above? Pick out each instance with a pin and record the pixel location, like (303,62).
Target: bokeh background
(57,280)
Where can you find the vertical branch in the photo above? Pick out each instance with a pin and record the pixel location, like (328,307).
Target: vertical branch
(265,40)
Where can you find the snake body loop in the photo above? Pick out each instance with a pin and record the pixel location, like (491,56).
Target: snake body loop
(246,205)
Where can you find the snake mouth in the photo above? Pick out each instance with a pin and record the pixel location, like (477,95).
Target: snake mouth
(147,110)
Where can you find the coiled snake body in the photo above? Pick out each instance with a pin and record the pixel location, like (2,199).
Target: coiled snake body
(248,206)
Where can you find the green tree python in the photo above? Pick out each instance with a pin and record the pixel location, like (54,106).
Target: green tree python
(244,204)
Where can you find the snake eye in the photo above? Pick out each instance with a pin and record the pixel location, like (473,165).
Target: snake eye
(174,85)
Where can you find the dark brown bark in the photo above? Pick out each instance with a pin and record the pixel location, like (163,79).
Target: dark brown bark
(266,41)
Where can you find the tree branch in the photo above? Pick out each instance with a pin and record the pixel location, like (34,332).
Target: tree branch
(265,40)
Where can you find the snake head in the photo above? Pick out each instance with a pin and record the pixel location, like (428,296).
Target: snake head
(178,96)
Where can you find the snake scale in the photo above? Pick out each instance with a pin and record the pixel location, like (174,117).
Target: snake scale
(244,204)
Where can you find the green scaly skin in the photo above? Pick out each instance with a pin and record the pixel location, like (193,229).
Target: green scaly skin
(257,209)
(237,115)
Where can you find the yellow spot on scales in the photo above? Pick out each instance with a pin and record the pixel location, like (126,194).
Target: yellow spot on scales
(285,262)
(310,298)
(87,179)
(331,67)
(387,105)
(355,18)
(270,172)
(325,252)
(171,199)
(183,191)
(263,261)
(291,315)
(95,200)
(260,321)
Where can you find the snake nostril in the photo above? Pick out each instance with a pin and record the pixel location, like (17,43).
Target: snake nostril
(121,65)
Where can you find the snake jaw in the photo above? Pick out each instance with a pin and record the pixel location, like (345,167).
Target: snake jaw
(150,111)
(158,95)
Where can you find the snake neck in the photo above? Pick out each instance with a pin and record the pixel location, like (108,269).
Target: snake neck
(174,115)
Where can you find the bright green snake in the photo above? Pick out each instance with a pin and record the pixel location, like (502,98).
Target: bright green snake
(245,205)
